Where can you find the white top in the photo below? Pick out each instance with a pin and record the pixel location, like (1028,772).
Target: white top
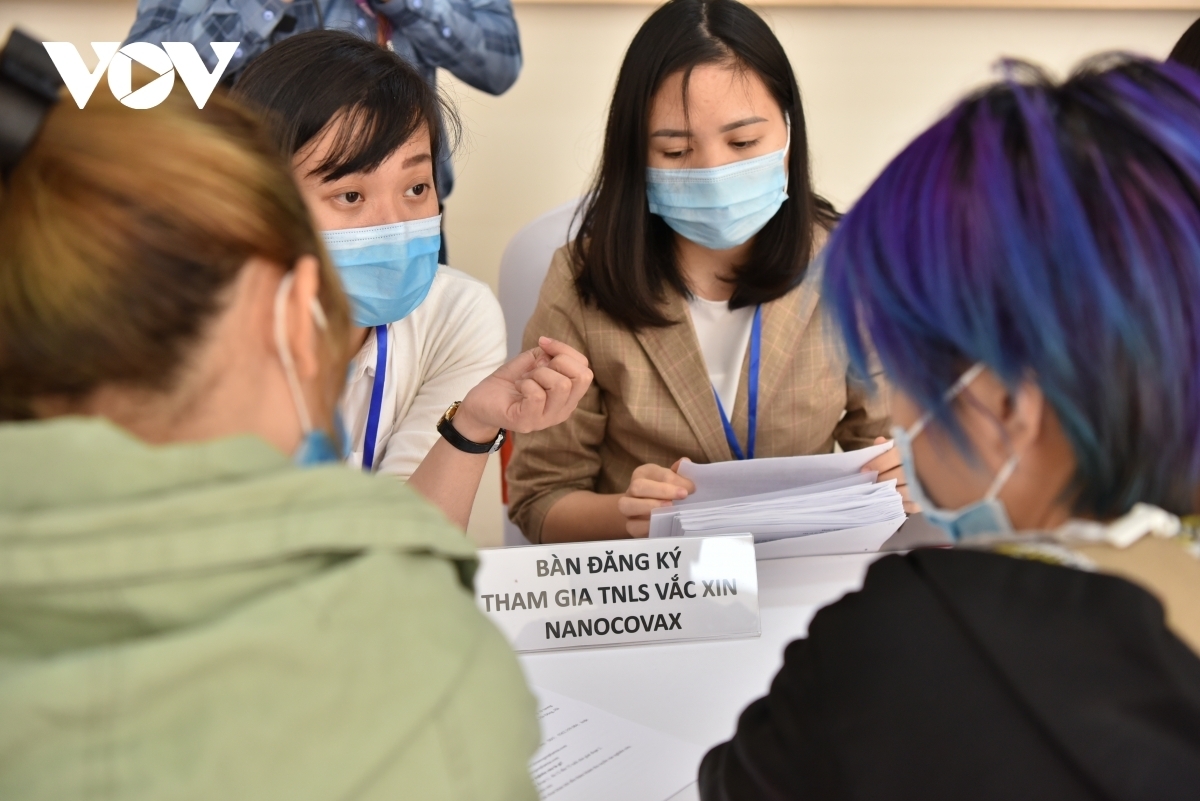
(435,355)
(724,337)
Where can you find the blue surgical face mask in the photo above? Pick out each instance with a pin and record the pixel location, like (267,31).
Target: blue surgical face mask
(386,270)
(316,446)
(720,207)
(985,517)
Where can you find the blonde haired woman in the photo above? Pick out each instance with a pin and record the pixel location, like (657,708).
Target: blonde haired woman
(183,611)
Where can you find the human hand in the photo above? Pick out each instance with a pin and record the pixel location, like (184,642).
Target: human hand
(538,389)
(888,466)
(651,487)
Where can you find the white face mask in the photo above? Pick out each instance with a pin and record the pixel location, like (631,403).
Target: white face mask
(316,446)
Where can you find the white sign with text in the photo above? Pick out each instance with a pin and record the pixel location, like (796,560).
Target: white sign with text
(580,595)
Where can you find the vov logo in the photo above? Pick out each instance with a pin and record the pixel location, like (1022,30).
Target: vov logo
(165,61)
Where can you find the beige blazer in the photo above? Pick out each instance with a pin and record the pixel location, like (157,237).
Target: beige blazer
(652,401)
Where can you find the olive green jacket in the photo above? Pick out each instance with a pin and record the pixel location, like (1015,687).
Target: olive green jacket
(207,621)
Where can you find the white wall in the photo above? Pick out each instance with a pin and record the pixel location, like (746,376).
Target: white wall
(871,80)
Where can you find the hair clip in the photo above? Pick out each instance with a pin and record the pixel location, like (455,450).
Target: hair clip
(29,86)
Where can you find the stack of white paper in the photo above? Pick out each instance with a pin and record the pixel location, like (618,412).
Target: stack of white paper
(778,499)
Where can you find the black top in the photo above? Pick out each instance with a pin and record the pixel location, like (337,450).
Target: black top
(963,674)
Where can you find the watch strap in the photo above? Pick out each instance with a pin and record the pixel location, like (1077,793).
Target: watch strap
(449,433)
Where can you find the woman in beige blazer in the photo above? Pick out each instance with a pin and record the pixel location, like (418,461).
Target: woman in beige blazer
(689,288)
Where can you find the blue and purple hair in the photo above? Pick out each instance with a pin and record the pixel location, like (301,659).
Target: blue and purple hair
(1052,232)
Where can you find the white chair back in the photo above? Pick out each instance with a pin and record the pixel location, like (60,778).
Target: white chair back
(523,267)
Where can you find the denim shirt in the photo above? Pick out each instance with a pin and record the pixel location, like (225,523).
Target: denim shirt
(476,40)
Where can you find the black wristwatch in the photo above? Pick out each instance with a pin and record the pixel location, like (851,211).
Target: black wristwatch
(451,435)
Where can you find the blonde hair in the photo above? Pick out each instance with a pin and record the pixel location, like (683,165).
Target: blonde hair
(120,228)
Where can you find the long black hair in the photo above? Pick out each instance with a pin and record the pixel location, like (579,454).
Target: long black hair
(1187,50)
(304,82)
(625,255)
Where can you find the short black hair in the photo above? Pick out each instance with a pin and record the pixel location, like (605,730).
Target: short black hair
(626,255)
(304,82)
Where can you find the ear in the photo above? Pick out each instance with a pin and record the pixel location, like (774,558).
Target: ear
(304,335)
(1008,420)
(1002,421)
(1025,415)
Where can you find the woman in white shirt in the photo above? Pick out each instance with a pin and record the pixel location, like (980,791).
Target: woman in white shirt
(364,132)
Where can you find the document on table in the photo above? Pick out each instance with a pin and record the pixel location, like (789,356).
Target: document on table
(588,754)
(787,498)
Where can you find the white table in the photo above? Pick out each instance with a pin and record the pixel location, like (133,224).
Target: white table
(696,690)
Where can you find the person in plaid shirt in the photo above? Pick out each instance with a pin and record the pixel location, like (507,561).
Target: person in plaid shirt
(475,40)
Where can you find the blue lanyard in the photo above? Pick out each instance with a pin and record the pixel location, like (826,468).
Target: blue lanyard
(755,360)
(368,462)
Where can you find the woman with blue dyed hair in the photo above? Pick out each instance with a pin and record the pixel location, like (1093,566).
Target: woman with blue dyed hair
(1028,271)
